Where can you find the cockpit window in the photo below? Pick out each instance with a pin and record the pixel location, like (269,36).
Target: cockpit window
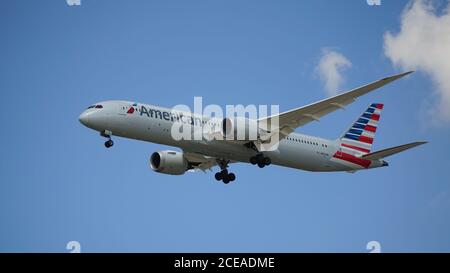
(98,106)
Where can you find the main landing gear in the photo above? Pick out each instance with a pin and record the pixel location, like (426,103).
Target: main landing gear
(109,143)
(260,160)
(224,175)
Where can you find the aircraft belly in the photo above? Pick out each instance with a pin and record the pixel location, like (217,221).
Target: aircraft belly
(294,156)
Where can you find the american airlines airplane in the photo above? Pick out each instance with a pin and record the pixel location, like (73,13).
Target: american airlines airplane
(351,152)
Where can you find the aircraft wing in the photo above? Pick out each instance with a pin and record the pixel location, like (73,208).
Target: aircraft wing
(200,161)
(292,119)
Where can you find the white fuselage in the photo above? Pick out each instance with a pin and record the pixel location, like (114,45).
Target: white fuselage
(295,151)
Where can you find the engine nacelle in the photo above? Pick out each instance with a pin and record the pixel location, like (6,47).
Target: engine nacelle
(169,162)
(239,128)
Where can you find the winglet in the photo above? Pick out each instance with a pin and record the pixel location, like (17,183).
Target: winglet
(398,76)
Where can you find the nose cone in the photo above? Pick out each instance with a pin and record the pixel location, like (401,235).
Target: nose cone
(84,118)
(96,119)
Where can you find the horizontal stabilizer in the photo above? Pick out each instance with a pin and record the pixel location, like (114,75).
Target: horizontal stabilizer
(390,151)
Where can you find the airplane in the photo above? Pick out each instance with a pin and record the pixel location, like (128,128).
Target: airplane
(350,153)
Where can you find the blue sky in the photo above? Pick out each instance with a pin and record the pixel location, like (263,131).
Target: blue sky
(59,183)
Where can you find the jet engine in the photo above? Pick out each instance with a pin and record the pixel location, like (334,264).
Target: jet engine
(169,162)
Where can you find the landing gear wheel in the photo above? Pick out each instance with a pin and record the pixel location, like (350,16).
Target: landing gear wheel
(253,160)
(226,180)
(232,177)
(109,143)
(267,161)
(218,176)
(261,164)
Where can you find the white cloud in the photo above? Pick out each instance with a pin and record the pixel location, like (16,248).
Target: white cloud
(330,68)
(423,43)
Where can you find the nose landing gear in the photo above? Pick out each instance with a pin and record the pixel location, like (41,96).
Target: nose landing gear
(109,143)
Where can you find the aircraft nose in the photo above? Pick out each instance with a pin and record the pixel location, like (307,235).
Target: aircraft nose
(83,118)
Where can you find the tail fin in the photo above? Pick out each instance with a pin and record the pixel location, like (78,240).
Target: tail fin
(359,138)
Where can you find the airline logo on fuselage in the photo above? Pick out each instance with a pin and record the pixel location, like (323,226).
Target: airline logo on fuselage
(165,115)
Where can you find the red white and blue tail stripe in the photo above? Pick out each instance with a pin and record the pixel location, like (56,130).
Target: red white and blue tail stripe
(358,139)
